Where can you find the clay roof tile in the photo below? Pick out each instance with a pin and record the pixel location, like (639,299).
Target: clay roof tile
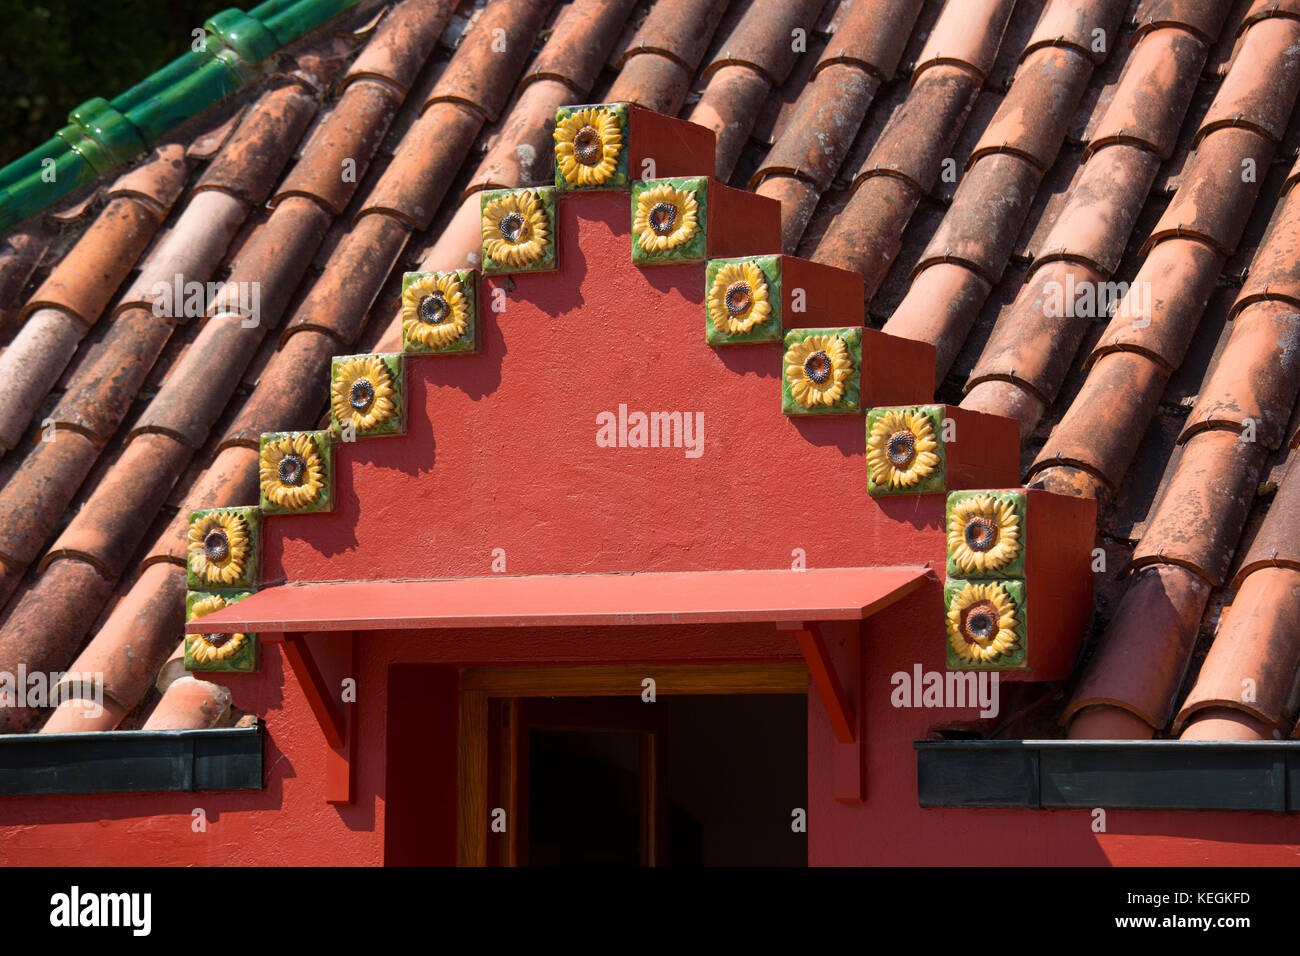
(967,34)
(252,160)
(764,38)
(1202,17)
(159,179)
(1087,27)
(872,36)
(679,30)
(1261,87)
(401,43)
(190,704)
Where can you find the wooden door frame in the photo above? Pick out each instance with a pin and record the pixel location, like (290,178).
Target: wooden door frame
(479,685)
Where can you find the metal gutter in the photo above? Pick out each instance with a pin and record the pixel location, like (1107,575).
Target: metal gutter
(132,761)
(1121,774)
(103,134)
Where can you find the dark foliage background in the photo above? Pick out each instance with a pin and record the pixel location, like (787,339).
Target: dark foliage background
(56,54)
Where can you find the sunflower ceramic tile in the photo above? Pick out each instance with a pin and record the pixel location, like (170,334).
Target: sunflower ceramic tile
(440,313)
(518,227)
(822,372)
(986,534)
(743,300)
(669,217)
(296,472)
(984,623)
(218,651)
(591,147)
(905,450)
(223,548)
(367,395)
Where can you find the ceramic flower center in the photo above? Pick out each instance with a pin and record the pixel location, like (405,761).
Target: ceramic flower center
(901,449)
(433,308)
(981,534)
(361,395)
(739,297)
(980,622)
(291,469)
(587,147)
(216,640)
(663,218)
(511,227)
(216,545)
(817,367)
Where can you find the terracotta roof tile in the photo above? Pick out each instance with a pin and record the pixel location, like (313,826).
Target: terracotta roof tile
(1277,543)
(160,179)
(1034,115)
(109,526)
(817,139)
(490,57)
(1179,276)
(20,254)
(1275,272)
(679,30)
(940,307)
(401,43)
(1071,24)
(967,34)
(1257,648)
(1094,226)
(866,235)
(33,500)
(1142,656)
(980,229)
(85,279)
(32,363)
(1202,17)
(1222,724)
(229,480)
(339,151)
(763,38)
(294,380)
(46,626)
(1203,509)
(192,250)
(1153,93)
(729,106)
(872,36)
(1261,87)
(1256,378)
(1263,9)
(1104,424)
(921,132)
(126,650)
(190,704)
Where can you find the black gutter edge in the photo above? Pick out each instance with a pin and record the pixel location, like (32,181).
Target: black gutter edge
(1123,774)
(132,761)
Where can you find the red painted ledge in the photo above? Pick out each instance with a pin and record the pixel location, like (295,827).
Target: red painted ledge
(686,597)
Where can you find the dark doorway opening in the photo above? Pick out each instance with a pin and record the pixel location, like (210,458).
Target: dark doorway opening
(689,780)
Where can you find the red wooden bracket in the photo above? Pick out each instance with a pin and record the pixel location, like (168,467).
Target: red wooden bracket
(335,652)
(835,672)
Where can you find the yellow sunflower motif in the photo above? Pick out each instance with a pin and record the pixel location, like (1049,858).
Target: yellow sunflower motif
(434,311)
(982,622)
(292,471)
(666,218)
(218,547)
(902,449)
(208,648)
(817,369)
(587,143)
(983,534)
(738,298)
(515,229)
(363,392)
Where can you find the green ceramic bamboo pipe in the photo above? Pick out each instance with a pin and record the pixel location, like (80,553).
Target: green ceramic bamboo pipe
(103,134)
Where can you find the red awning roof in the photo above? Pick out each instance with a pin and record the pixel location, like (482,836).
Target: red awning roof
(688,597)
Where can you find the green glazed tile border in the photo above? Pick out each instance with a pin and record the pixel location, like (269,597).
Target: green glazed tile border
(933,484)
(325,500)
(693,251)
(468,343)
(252,517)
(1017,659)
(245,661)
(547,263)
(620,177)
(396,365)
(769,331)
(1015,568)
(850,402)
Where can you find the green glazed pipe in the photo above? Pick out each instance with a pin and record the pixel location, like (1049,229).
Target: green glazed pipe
(102,135)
